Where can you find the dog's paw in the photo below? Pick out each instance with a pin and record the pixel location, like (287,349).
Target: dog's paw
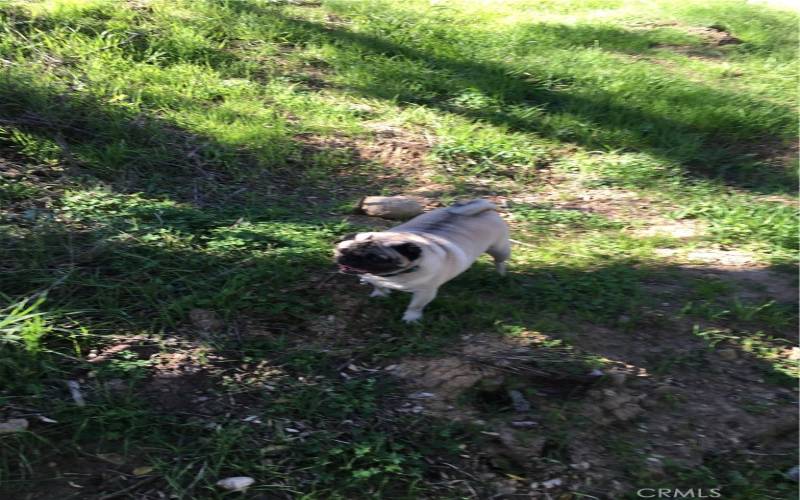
(380,292)
(412,316)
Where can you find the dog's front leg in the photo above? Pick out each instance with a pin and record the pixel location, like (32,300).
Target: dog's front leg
(379,291)
(419,300)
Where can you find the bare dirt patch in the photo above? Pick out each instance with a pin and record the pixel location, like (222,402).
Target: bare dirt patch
(714,37)
(632,413)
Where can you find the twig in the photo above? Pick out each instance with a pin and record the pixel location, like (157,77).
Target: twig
(129,489)
(461,471)
(522,243)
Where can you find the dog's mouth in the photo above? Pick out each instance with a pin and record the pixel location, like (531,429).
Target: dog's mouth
(344,268)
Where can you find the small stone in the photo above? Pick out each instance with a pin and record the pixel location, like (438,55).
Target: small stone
(664,391)
(617,378)
(13,425)
(383,130)
(206,321)
(627,412)
(239,483)
(793,474)
(361,108)
(581,466)
(595,394)
(490,384)
(524,424)
(728,354)
(551,483)
(616,401)
(391,207)
(505,488)
(518,401)
(116,385)
(794,355)
(648,403)
(654,466)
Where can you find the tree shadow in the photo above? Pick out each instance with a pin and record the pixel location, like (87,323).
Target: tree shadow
(134,220)
(705,150)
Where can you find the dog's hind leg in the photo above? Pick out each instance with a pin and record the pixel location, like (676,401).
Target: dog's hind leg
(500,252)
(419,300)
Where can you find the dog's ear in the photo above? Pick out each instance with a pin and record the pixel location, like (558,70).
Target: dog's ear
(411,251)
(349,236)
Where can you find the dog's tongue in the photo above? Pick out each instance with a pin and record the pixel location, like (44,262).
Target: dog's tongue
(349,269)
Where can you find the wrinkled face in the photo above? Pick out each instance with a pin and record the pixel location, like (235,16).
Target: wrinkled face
(364,253)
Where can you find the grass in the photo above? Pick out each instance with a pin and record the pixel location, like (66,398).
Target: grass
(158,158)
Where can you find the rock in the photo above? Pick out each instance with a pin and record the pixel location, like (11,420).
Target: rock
(390,207)
(551,483)
(239,483)
(207,322)
(617,378)
(654,466)
(505,488)
(361,109)
(664,391)
(648,403)
(13,425)
(116,385)
(595,394)
(581,466)
(383,130)
(627,412)
(490,384)
(616,401)
(793,474)
(519,402)
(728,354)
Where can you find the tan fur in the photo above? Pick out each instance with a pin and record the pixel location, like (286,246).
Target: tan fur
(451,240)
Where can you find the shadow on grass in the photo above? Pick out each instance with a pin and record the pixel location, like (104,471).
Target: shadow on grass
(714,149)
(137,220)
(260,397)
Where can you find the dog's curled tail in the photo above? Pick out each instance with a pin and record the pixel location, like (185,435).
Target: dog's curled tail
(472,207)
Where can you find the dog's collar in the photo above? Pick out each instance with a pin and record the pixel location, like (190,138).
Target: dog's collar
(404,271)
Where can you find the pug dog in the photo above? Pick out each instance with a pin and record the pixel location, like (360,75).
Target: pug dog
(429,250)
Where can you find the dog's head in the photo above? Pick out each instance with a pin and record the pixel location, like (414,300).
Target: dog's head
(375,253)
